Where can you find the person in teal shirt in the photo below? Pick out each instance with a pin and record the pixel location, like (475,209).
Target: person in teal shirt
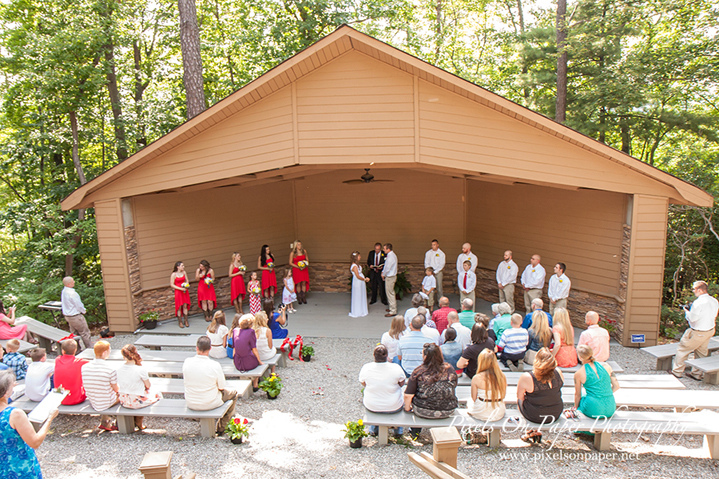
(599,384)
(503,322)
(466,316)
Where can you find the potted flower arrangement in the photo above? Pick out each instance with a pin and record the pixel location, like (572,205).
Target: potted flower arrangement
(307,352)
(355,431)
(237,428)
(149,319)
(271,385)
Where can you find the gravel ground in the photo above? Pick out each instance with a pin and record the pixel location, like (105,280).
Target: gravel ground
(300,435)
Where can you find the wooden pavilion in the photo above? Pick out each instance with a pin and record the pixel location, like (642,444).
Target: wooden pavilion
(268,164)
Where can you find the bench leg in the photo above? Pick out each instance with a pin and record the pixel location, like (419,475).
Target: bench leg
(383,435)
(602,440)
(711,378)
(713,442)
(153,348)
(44,343)
(208,427)
(282,362)
(126,424)
(664,364)
(495,436)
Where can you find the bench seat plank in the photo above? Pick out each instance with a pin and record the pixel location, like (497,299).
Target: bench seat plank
(710,367)
(626,381)
(47,334)
(681,400)
(162,408)
(24,345)
(612,364)
(171,356)
(664,353)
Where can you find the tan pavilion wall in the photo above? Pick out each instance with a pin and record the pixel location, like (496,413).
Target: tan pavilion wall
(334,219)
(583,229)
(110,239)
(646,268)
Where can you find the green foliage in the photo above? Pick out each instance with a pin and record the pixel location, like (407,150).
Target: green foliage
(272,385)
(307,351)
(355,430)
(402,286)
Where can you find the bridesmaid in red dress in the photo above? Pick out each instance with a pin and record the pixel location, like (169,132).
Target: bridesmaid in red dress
(237,282)
(181,285)
(266,263)
(300,274)
(206,289)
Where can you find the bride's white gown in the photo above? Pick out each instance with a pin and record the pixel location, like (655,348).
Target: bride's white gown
(359,295)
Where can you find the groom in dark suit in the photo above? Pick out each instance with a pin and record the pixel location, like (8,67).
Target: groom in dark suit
(375,261)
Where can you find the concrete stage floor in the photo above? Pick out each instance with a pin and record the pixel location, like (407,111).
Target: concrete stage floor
(324,315)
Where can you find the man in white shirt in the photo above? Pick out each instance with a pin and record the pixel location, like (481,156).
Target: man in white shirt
(701,316)
(436,259)
(467,281)
(73,310)
(389,275)
(431,333)
(533,281)
(558,289)
(464,334)
(205,386)
(464,256)
(507,272)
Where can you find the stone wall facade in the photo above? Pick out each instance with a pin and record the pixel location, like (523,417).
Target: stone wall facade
(336,277)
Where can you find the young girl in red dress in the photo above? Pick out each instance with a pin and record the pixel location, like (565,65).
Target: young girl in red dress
(180,283)
(237,282)
(300,274)
(254,290)
(206,289)
(266,263)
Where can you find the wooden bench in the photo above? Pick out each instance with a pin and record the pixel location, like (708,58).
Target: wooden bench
(709,366)
(24,346)
(173,356)
(177,386)
(626,381)
(704,422)
(664,353)
(682,400)
(47,335)
(157,342)
(168,368)
(176,408)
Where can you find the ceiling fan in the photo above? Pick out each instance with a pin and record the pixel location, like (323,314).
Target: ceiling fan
(366,178)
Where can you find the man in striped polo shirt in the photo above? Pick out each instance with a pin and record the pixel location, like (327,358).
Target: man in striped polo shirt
(514,343)
(100,382)
(411,345)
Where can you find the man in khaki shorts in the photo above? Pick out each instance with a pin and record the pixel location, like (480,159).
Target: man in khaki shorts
(73,310)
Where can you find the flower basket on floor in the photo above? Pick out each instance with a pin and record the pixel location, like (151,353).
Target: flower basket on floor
(149,319)
(355,431)
(272,385)
(307,353)
(237,428)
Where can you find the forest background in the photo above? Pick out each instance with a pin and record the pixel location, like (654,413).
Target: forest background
(84,84)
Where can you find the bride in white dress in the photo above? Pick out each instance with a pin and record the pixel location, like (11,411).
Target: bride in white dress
(359,288)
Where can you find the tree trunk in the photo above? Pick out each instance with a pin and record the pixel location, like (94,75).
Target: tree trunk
(191,58)
(115,102)
(438,32)
(140,87)
(81,176)
(560,114)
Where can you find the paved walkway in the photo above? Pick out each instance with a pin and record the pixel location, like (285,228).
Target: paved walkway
(324,315)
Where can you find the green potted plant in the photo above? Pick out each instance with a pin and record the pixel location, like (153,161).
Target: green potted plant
(402,285)
(355,431)
(272,385)
(237,428)
(149,319)
(307,353)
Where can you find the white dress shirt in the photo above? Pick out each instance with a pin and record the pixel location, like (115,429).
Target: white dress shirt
(390,265)
(507,272)
(558,287)
(71,302)
(533,276)
(431,333)
(464,334)
(464,257)
(702,313)
(471,281)
(435,259)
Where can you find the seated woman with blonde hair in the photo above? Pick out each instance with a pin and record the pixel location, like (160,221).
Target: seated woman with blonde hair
(540,336)
(563,332)
(539,393)
(264,338)
(489,387)
(133,383)
(599,385)
(217,332)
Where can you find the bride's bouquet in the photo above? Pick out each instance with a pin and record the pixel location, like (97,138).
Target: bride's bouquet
(209,280)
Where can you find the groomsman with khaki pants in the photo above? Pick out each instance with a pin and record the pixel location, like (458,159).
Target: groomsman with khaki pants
(506,278)
(389,275)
